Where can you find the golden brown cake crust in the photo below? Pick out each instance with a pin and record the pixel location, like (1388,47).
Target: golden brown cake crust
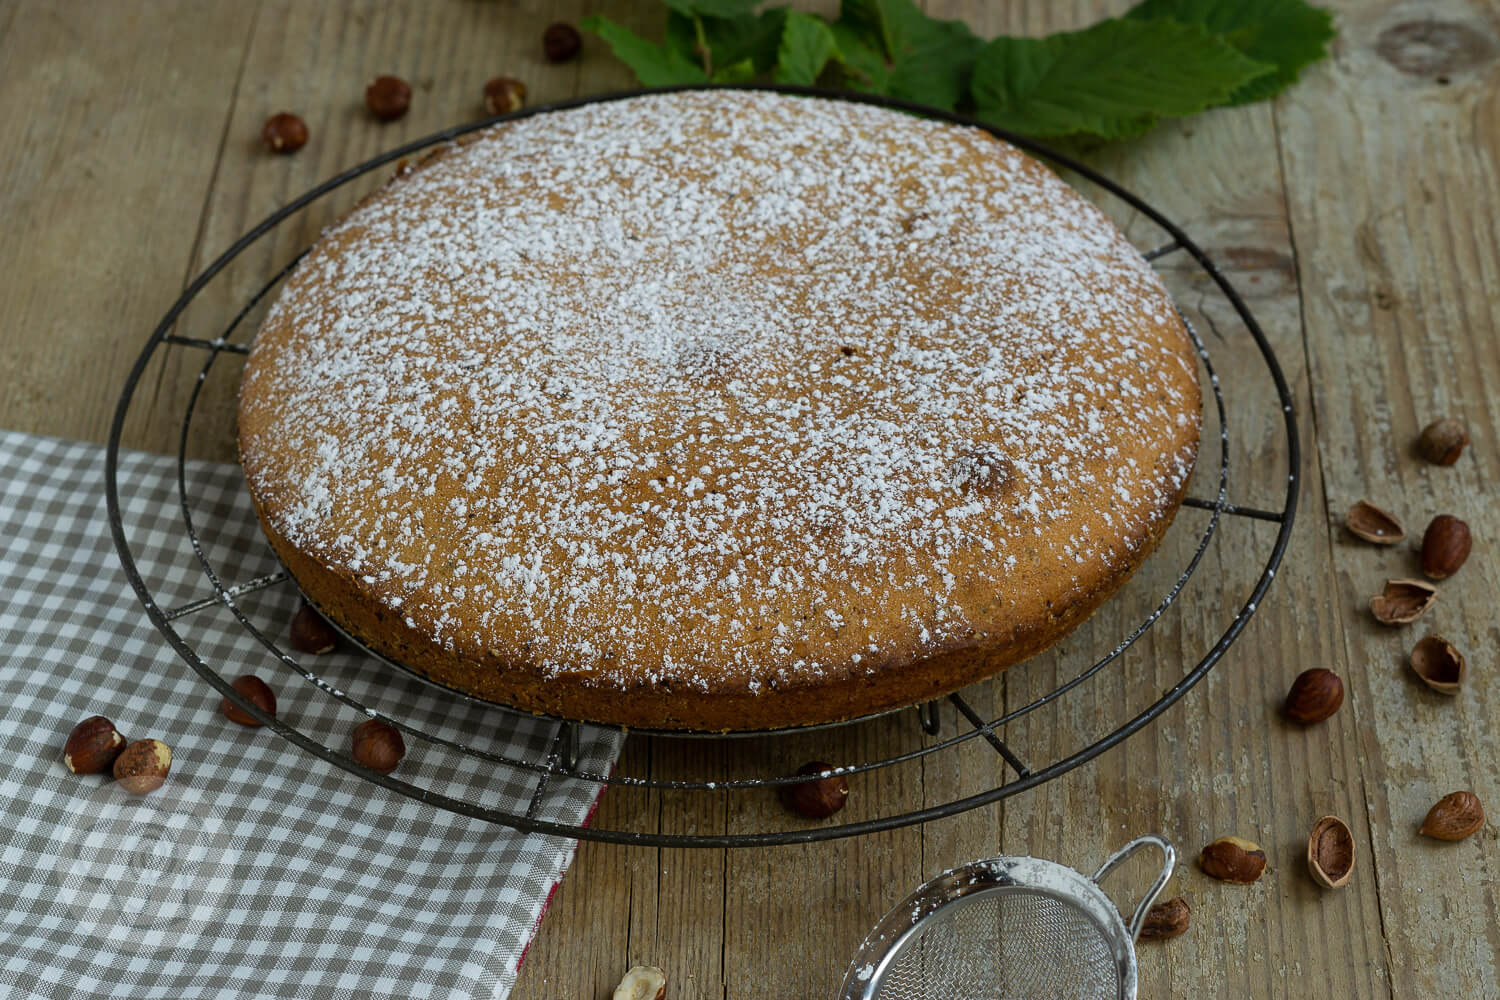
(718,410)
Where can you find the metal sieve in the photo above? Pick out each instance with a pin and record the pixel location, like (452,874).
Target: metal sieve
(1007,929)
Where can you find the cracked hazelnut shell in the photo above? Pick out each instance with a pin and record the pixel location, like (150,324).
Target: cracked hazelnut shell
(1330,852)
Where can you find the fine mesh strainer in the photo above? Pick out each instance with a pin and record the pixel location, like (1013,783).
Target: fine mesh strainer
(1007,929)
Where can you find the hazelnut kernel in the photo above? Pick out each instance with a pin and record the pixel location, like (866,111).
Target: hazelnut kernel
(504,94)
(388,97)
(92,746)
(816,799)
(1443,441)
(284,133)
(378,745)
(255,691)
(311,633)
(1445,547)
(1233,859)
(143,766)
(561,42)
(1315,695)
(1166,920)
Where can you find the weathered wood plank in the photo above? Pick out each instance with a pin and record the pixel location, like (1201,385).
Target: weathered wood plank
(107,153)
(1391,159)
(1221,762)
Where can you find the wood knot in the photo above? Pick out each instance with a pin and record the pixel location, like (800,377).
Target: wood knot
(1432,48)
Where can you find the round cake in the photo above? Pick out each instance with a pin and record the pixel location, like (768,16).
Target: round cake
(718,410)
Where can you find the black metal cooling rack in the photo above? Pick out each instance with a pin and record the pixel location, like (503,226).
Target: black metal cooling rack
(560,759)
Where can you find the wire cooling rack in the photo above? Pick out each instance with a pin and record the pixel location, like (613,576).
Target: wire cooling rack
(920,741)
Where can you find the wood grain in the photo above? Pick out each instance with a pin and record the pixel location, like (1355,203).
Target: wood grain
(1355,214)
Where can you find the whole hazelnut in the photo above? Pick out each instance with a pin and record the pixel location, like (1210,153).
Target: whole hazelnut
(1443,441)
(1233,859)
(143,767)
(310,633)
(1315,695)
(504,94)
(284,133)
(255,691)
(388,97)
(1455,816)
(92,746)
(561,42)
(378,745)
(1445,546)
(816,799)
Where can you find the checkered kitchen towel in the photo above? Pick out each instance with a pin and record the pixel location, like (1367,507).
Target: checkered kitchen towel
(257,870)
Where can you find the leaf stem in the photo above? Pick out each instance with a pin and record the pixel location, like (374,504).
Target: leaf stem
(705,53)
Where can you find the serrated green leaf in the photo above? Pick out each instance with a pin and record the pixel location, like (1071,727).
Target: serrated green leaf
(864,68)
(1288,34)
(891,47)
(654,65)
(713,8)
(807,44)
(1111,80)
(740,72)
(729,40)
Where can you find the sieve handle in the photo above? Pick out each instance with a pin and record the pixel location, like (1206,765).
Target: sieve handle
(1169,861)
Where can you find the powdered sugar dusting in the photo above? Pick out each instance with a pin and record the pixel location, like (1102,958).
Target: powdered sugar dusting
(718,385)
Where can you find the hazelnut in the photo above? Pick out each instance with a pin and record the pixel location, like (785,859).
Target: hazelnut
(561,42)
(642,982)
(388,97)
(816,799)
(311,633)
(504,94)
(255,691)
(1442,441)
(1233,859)
(1455,816)
(143,766)
(1445,547)
(378,745)
(1316,694)
(1330,852)
(1369,522)
(92,746)
(1166,920)
(1402,601)
(284,133)
(1439,663)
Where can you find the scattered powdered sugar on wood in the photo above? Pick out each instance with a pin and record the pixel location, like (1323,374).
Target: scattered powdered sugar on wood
(716,383)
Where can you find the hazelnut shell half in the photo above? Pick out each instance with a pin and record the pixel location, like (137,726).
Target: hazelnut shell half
(1440,665)
(1330,852)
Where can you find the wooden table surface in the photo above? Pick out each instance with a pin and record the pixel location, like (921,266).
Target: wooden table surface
(1357,214)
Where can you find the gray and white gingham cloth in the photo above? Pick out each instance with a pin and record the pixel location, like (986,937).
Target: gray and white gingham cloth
(257,870)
